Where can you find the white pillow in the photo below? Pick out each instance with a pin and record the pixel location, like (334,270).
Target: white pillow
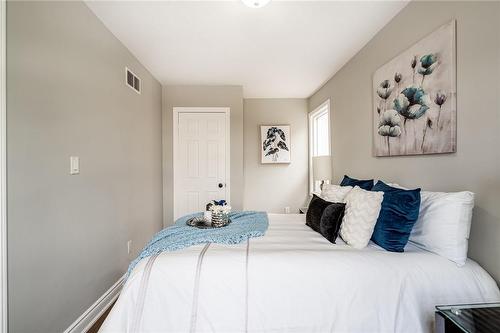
(397,186)
(361,213)
(443,224)
(335,193)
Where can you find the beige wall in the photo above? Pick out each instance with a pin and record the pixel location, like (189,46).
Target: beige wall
(67,234)
(272,187)
(203,96)
(476,165)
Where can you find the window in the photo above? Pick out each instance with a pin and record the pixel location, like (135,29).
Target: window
(319,139)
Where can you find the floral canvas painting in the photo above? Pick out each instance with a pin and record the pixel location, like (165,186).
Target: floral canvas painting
(415,98)
(275,143)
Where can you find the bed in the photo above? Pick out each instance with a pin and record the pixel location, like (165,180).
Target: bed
(293,280)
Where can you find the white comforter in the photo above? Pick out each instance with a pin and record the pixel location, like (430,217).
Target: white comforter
(293,280)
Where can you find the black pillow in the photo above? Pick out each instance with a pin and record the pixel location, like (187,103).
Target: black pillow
(331,220)
(365,184)
(315,211)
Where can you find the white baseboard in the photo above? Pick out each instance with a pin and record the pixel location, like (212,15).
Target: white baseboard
(89,317)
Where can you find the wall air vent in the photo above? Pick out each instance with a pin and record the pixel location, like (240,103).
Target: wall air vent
(132,80)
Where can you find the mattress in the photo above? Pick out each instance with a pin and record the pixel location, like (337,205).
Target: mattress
(293,280)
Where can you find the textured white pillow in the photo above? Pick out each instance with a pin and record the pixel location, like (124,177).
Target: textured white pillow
(335,193)
(443,224)
(361,213)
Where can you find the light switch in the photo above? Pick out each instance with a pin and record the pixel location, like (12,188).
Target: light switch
(74,165)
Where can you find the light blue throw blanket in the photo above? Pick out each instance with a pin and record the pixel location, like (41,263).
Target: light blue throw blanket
(243,225)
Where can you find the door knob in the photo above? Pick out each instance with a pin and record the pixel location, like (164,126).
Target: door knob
(221,185)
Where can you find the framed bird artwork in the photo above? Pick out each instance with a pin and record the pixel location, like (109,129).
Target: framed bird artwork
(275,144)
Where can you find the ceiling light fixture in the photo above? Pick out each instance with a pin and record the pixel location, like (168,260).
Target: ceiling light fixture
(256,3)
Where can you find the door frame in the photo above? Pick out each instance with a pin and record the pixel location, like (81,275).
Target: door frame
(227,112)
(3,168)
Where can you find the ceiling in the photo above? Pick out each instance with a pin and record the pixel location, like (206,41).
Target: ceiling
(286,49)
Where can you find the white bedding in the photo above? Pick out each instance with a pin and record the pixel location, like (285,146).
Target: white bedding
(294,281)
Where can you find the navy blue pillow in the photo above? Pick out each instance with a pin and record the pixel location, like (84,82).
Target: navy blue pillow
(398,214)
(364,184)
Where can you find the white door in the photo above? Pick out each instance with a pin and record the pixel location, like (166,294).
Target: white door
(201,158)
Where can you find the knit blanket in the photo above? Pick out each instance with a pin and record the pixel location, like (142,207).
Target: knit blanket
(243,225)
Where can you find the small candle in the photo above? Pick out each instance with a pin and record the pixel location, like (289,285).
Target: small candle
(207,215)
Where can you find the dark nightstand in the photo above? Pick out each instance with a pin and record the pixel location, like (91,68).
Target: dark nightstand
(303,210)
(469,318)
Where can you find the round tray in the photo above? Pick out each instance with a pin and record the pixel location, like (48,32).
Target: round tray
(200,223)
